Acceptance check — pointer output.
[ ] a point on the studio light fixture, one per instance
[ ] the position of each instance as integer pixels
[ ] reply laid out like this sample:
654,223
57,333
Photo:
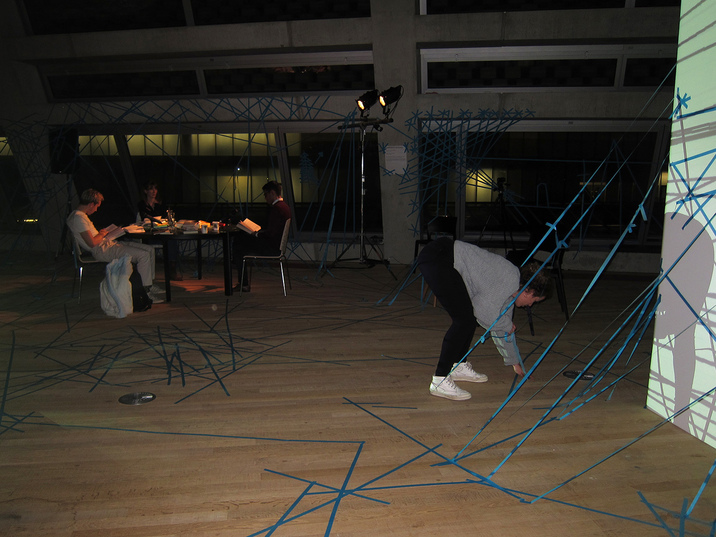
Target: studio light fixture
389,99
368,99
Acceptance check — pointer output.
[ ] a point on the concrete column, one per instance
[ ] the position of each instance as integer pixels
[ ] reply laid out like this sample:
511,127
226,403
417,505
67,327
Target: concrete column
395,62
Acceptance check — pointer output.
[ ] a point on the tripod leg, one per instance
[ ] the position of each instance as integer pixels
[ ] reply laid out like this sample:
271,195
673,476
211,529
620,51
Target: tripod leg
382,260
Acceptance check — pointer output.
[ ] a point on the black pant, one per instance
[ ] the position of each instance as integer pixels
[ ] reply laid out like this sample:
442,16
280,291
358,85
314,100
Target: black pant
248,244
436,265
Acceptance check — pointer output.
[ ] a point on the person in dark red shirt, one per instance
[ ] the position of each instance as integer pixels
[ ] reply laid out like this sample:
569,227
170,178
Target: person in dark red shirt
267,241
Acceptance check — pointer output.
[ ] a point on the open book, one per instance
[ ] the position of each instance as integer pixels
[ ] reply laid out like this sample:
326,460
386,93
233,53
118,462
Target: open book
113,232
248,226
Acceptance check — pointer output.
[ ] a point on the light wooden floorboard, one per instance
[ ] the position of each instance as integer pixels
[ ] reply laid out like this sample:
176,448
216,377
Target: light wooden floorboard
310,415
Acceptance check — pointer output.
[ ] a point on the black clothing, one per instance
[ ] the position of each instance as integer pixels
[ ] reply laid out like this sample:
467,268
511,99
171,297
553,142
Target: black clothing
268,240
147,211
436,262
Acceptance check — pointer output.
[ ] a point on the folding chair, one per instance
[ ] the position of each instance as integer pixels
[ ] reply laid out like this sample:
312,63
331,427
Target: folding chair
280,257
81,259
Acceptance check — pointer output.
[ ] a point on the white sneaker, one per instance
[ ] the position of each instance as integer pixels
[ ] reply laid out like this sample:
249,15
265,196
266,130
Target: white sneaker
445,387
465,372
156,290
154,298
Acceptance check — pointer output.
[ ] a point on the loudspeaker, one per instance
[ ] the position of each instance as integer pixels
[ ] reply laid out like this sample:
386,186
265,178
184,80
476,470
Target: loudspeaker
64,150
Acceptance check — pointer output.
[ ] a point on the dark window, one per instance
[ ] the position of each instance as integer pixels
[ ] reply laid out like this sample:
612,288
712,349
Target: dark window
650,72
289,79
123,85
522,73
76,16
327,179
657,3
248,11
444,7
549,168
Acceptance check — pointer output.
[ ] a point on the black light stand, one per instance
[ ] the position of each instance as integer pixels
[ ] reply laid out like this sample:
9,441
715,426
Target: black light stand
388,99
504,217
363,123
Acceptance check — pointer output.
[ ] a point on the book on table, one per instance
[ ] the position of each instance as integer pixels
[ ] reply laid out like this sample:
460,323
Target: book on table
248,226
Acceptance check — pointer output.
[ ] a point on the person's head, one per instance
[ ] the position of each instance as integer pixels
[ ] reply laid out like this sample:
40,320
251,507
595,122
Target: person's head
91,199
272,191
537,289
150,190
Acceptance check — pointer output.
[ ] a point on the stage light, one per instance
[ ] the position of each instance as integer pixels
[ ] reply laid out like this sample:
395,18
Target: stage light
390,96
368,99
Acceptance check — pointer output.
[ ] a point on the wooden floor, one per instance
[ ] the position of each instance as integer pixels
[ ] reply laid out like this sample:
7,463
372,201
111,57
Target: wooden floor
310,415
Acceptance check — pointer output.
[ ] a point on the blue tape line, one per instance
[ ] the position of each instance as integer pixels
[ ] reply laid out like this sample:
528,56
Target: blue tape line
494,444
67,318
559,399
17,421
170,362
342,492
701,489
681,102
292,507
657,516
683,516
514,392
181,365
7,377
598,393
390,425
365,486
597,511
109,366
642,322
631,442
215,381
228,331
699,318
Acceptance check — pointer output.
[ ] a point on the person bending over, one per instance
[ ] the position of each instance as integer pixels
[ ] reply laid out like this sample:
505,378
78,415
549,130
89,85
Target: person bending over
475,286
93,241
267,241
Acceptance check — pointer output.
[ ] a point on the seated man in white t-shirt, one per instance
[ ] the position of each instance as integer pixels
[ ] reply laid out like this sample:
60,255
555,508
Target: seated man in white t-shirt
94,241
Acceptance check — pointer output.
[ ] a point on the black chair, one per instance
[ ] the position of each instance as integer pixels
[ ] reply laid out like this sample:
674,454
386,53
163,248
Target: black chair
81,259
280,257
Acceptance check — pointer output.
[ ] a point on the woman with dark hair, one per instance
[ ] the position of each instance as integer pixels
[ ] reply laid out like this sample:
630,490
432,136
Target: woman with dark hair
151,207
476,287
